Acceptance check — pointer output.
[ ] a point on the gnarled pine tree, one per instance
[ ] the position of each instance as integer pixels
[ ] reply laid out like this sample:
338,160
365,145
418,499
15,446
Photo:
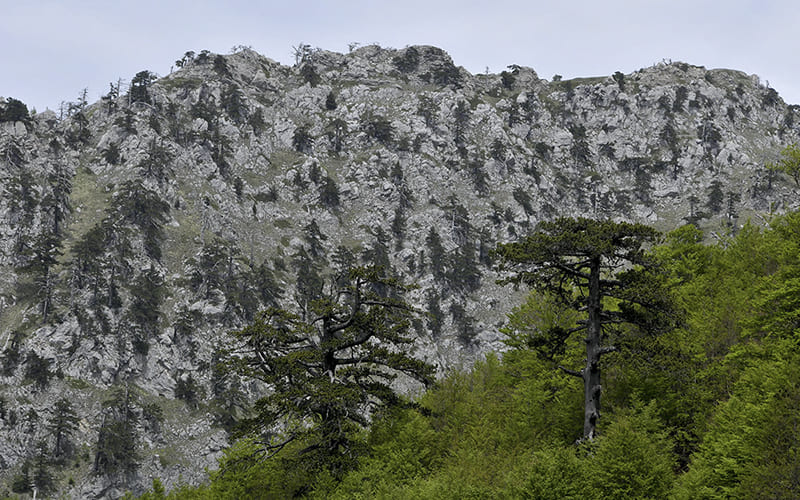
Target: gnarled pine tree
329,366
599,268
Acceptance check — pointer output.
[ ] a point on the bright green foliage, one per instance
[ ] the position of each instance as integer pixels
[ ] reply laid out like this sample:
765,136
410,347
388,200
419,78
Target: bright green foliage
778,300
633,459
753,448
709,409
789,163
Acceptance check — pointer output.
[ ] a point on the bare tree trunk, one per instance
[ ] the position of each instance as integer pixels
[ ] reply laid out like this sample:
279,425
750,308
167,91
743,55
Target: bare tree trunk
591,372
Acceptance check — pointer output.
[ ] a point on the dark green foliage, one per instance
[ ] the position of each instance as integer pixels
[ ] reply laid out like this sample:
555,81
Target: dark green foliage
343,258
478,177
498,150
377,255
620,79
770,97
111,154
524,199
716,197
110,99
40,280
379,128
126,121
461,118
580,150
79,133
62,425
221,66
187,389
205,108
232,100
203,57
86,264
428,110
302,140
328,367
329,193
116,453
569,255
156,163
256,120
14,110
507,80
399,226
435,315
642,181
139,90
220,149
238,188
11,355
227,400
436,255
710,136
215,269
408,61
14,154
681,94
665,104
145,209
314,238
443,71
463,324
309,74
37,370
308,280
39,472
147,293
463,275
330,101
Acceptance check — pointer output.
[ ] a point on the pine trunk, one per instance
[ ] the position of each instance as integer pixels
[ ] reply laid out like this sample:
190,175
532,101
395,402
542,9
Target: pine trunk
591,372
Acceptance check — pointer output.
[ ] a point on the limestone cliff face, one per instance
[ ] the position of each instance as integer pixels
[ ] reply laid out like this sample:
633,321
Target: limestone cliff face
137,231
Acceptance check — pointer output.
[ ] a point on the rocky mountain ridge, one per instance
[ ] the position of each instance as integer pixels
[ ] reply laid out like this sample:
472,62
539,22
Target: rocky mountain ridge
137,231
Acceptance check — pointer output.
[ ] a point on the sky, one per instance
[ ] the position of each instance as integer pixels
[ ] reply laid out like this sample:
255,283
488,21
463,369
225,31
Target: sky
50,50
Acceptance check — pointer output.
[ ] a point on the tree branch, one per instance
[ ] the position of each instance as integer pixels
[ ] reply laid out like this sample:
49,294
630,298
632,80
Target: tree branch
607,350
574,373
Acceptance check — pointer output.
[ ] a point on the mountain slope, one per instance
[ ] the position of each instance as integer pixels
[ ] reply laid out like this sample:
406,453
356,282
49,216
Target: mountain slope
138,230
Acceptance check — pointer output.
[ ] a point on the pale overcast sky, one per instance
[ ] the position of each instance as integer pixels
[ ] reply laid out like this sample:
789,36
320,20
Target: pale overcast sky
51,49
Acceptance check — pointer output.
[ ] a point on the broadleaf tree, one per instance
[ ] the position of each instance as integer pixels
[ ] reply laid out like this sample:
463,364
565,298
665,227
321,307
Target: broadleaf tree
789,163
601,269
329,366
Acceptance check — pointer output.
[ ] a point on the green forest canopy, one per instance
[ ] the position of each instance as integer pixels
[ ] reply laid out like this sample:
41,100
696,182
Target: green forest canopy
708,409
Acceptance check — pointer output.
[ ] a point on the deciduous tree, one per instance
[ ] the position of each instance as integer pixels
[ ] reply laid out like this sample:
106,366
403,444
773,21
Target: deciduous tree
789,163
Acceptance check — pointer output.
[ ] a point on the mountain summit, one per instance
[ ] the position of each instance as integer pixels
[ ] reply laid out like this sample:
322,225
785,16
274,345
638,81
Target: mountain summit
139,230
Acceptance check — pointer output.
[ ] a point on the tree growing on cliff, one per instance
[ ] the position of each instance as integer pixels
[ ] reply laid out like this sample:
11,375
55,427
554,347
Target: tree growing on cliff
329,367
600,269
61,425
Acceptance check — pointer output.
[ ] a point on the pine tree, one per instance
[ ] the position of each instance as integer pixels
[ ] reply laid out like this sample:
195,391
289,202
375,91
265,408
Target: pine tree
330,368
584,263
62,424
